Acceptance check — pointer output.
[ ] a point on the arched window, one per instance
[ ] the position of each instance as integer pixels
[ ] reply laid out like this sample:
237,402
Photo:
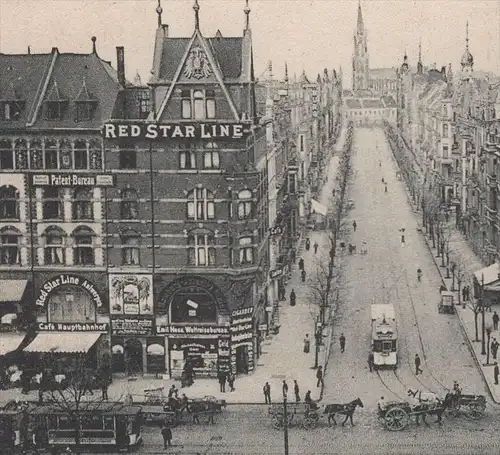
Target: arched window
65,155
211,159
200,205
54,246
246,250
83,208
83,250
131,248
187,158
50,155
6,155
199,105
445,130
201,249
95,155
9,246
81,155
245,204
52,203
9,203
130,204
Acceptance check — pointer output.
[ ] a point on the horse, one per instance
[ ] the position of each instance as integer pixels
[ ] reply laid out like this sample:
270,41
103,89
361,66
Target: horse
427,397
438,409
343,409
208,408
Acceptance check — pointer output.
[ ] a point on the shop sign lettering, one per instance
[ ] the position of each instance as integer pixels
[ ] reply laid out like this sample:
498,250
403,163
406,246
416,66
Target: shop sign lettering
242,312
174,131
191,330
73,180
50,285
72,327
130,326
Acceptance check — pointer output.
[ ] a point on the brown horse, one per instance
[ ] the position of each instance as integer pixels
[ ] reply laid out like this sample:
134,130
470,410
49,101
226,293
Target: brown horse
343,409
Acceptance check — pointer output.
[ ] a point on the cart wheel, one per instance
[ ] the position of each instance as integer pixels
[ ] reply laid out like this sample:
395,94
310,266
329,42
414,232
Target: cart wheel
454,408
476,410
170,420
278,421
396,419
310,422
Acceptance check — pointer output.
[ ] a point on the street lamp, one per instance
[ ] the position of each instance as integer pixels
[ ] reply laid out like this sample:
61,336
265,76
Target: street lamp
285,423
489,328
483,329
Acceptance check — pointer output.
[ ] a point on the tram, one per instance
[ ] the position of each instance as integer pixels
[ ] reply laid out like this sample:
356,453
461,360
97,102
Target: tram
384,335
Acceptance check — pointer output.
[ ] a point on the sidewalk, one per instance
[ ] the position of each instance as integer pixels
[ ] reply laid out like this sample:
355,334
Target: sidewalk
460,249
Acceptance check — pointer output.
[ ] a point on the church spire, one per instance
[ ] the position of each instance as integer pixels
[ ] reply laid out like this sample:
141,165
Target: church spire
361,27
420,67
196,9
159,10
247,14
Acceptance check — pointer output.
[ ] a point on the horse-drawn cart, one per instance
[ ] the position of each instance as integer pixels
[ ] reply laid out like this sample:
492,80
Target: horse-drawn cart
472,405
301,413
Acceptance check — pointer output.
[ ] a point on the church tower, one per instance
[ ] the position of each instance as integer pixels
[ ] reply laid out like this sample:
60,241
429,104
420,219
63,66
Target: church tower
360,58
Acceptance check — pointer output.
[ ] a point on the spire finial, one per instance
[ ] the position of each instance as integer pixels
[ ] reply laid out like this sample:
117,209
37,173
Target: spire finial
159,10
94,49
467,35
286,72
247,13
360,18
196,9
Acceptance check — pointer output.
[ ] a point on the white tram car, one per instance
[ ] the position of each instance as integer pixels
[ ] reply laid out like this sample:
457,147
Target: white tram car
384,335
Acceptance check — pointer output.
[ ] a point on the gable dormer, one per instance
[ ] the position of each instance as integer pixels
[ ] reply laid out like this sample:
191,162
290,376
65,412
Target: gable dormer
55,105
85,104
12,104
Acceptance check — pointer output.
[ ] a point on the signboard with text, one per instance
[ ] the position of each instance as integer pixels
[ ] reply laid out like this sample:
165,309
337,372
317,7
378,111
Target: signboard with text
131,326
72,327
67,279
175,131
192,330
73,180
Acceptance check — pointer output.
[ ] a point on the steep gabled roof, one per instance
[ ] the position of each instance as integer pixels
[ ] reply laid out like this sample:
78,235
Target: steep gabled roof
84,95
54,94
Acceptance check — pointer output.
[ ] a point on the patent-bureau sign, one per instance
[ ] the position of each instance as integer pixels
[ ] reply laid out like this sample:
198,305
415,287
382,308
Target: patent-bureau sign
179,131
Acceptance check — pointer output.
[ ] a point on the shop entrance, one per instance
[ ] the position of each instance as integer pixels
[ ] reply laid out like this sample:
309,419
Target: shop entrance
133,356
242,359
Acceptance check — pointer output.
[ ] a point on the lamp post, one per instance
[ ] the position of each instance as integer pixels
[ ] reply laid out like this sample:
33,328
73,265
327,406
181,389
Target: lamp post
483,328
285,423
489,328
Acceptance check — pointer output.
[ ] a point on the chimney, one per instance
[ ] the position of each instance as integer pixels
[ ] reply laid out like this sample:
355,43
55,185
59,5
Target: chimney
120,64
165,30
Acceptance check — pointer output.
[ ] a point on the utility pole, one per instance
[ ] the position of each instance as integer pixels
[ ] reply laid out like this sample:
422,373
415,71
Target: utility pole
285,423
483,344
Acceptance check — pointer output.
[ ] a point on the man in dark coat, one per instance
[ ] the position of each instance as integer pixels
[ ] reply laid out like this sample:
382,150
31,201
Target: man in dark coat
495,373
301,264
303,276
495,318
285,388
308,244
166,434
342,342
371,361
319,376
296,391
494,348
417,365
293,298
315,246
221,376
267,392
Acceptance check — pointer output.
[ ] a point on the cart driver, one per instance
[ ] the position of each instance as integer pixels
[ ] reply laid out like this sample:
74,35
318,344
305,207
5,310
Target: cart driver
381,404
184,402
456,388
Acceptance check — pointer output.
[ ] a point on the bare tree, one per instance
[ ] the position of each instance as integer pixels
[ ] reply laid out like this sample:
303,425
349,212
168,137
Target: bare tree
320,290
71,400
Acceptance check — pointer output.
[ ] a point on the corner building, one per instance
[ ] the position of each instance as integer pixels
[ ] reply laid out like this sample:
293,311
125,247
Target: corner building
187,249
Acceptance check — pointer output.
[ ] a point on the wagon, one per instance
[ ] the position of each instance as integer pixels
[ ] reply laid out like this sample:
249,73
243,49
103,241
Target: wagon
396,416
472,405
296,412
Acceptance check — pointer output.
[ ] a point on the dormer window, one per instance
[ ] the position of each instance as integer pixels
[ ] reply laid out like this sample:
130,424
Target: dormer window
55,104
198,104
85,104
12,105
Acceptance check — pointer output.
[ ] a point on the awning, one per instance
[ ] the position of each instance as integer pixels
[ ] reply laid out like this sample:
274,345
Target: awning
489,273
12,290
10,342
8,318
57,342
318,208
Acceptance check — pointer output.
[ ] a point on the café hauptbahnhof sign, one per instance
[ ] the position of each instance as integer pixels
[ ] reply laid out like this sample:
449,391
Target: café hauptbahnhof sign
174,131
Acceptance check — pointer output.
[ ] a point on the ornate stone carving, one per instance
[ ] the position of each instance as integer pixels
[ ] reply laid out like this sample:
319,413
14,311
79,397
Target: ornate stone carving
240,288
197,64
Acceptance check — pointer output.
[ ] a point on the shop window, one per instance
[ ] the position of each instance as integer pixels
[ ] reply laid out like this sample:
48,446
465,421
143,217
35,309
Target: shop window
54,246
117,358
9,246
187,159
128,159
9,203
83,207
52,203
156,358
211,158
245,204
201,249
195,306
200,205
83,251
70,303
130,204
50,155
81,155
6,155
246,250
131,249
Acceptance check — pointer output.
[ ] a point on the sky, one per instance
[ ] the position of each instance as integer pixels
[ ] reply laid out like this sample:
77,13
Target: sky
309,35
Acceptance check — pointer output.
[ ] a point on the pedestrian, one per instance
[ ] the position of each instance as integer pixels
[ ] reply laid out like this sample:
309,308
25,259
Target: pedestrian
495,373
319,376
383,181
296,390
495,318
307,344
386,187
293,298
230,380
315,246
104,388
464,293
467,295
222,380
267,392
417,365
371,361
342,342
303,276
284,388
294,255
301,264
166,434
354,225
494,348
402,239
308,244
